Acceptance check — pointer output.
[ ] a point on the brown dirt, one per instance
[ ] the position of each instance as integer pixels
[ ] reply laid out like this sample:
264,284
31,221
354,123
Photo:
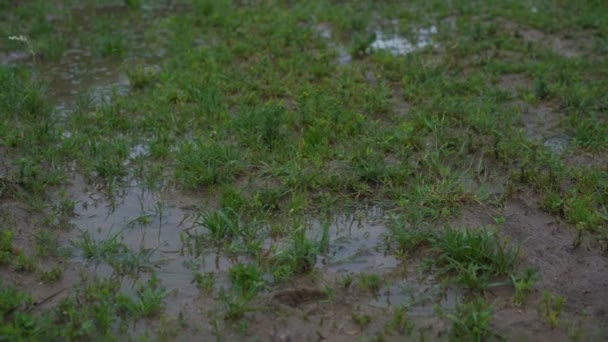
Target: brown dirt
542,121
570,44
514,83
578,274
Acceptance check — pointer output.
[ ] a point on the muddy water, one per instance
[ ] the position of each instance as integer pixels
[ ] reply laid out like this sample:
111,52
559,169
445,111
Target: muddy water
79,73
356,243
155,223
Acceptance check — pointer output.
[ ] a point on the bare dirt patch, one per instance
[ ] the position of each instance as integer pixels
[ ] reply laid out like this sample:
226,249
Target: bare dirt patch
570,44
514,83
542,121
578,274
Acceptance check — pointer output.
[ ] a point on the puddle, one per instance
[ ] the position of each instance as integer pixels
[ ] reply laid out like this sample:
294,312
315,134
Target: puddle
325,32
344,57
356,243
77,72
397,45
392,43
139,151
80,71
420,296
14,57
144,222
557,144
542,125
147,223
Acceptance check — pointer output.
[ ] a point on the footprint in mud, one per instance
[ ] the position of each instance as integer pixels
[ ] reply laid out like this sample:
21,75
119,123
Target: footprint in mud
300,296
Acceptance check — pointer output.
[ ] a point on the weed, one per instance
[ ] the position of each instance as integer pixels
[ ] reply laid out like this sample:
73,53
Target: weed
27,42
246,279
11,299
471,321
222,224
235,305
361,44
346,281
6,246
99,251
324,243
362,320
370,283
400,323
300,258
52,275
523,285
263,126
409,241
141,76
205,281
23,263
551,307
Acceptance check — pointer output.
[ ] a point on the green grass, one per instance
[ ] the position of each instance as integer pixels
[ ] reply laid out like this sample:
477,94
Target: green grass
471,321
473,256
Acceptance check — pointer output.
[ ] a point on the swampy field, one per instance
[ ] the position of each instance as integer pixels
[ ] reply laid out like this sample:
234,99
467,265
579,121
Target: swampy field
213,170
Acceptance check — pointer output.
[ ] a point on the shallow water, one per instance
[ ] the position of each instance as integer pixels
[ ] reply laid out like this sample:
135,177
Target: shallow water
557,144
356,243
397,45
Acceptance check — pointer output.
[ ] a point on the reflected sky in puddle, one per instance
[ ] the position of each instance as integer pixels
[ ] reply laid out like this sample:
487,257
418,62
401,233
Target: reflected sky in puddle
557,144
393,43
397,45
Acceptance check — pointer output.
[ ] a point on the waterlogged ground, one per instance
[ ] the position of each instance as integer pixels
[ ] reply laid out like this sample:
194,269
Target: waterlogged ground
199,170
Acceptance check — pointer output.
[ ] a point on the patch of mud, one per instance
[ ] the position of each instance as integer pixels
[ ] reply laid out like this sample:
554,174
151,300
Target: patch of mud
299,296
574,44
579,274
586,159
514,83
421,295
541,121
332,317
542,125
31,236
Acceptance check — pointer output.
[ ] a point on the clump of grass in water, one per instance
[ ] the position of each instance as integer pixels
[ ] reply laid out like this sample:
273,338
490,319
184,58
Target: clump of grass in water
473,256
370,283
299,258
